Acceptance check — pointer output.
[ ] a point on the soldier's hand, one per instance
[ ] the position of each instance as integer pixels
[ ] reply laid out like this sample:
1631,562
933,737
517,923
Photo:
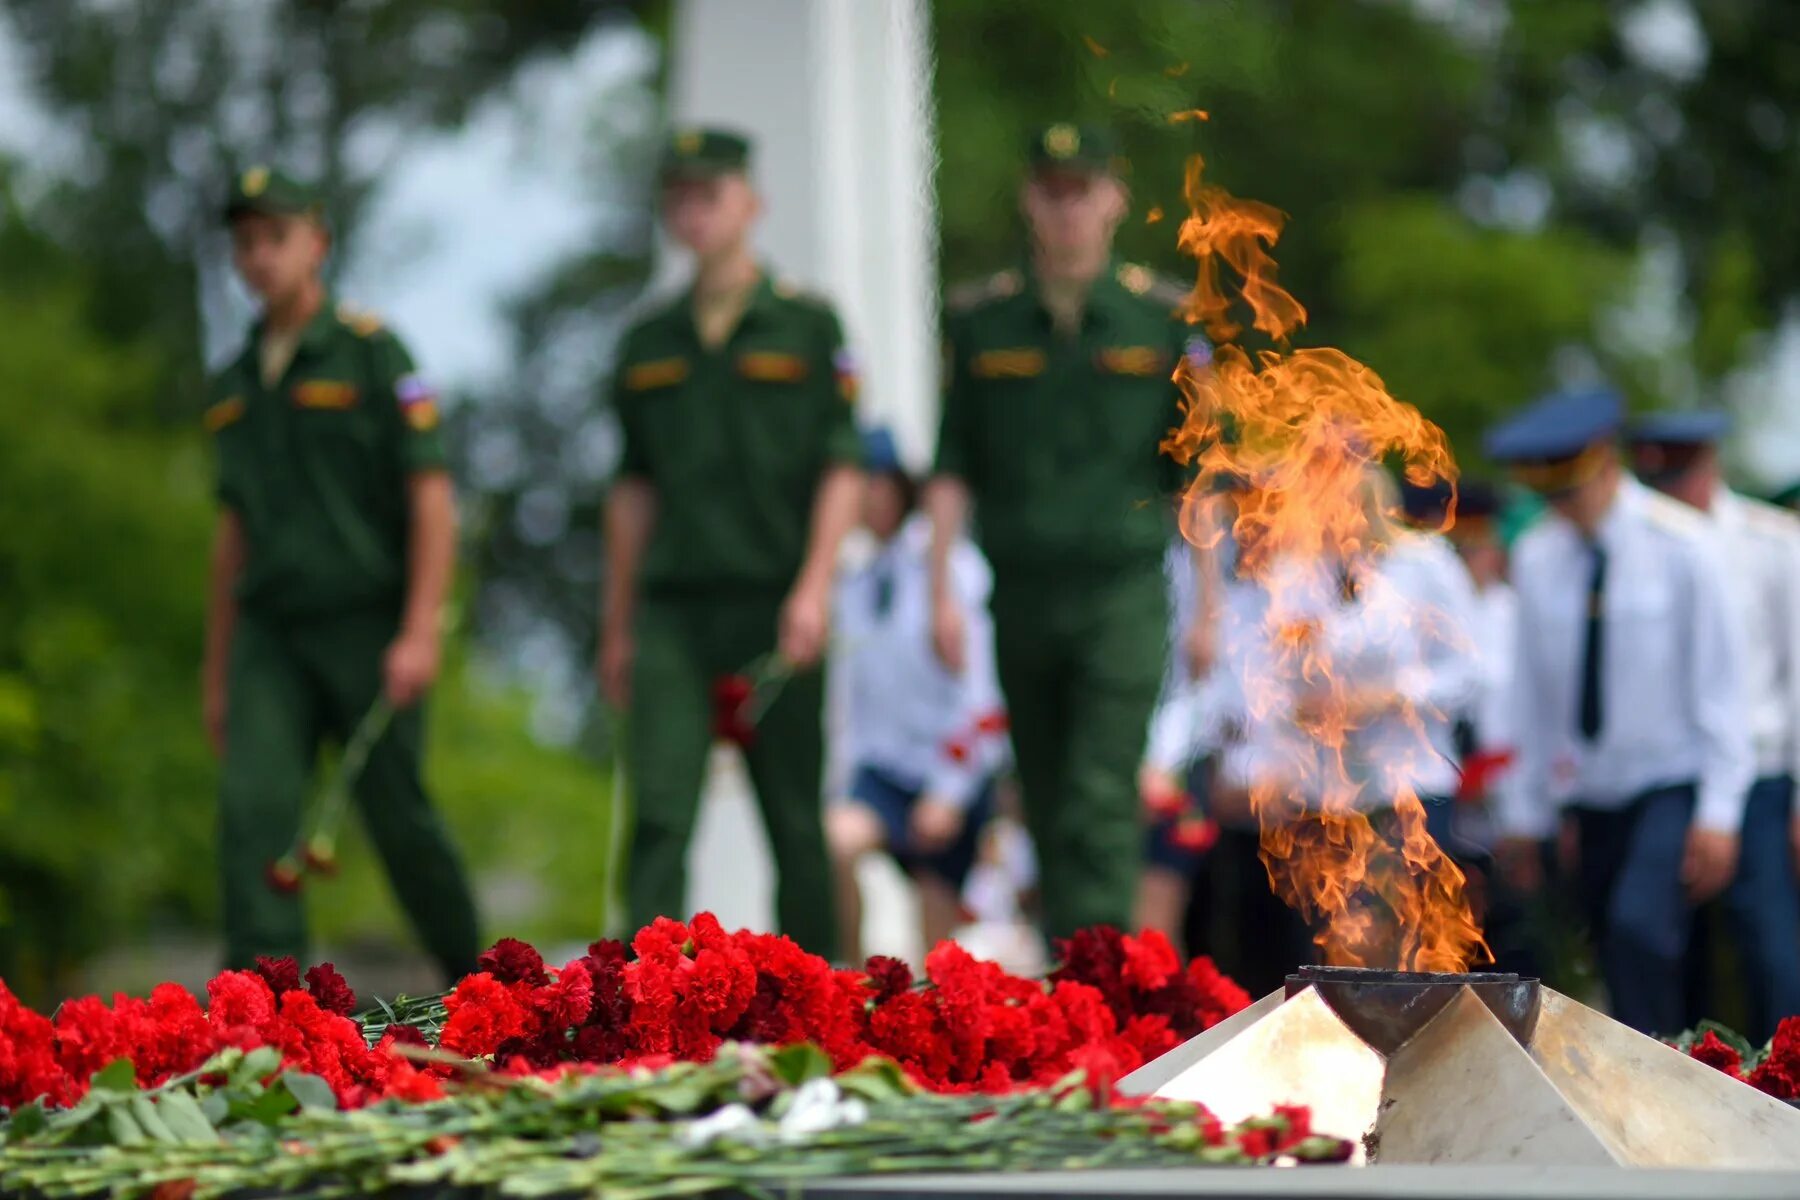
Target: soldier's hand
618,654
934,825
805,625
1708,863
410,668
1521,862
212,713
949,636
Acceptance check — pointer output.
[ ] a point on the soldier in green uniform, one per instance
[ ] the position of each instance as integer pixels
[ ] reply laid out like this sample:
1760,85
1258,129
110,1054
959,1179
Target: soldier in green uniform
739,479
331,563
1058,392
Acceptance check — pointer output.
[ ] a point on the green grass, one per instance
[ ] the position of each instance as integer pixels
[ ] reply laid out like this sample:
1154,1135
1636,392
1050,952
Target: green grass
534,823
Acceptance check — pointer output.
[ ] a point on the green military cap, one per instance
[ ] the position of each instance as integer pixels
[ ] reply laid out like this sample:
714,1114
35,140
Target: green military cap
705,152
1065,146
261,189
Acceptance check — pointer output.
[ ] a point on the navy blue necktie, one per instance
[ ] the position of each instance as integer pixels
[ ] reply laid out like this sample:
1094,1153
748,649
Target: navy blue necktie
1593,649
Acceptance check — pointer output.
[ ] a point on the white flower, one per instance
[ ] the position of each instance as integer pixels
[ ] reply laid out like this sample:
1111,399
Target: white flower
734,1122
819,1106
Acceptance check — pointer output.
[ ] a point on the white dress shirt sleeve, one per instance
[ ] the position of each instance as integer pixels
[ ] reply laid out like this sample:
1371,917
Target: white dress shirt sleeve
1523,807
1727,754
1788,637
1449,677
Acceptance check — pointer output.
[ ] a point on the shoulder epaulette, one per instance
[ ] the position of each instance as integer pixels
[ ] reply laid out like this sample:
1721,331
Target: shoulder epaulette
359,321
1140,280
976,292
1674,516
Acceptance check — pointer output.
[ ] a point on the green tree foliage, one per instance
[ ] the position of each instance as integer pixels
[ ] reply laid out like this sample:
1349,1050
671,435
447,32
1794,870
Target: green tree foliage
104,784
169,97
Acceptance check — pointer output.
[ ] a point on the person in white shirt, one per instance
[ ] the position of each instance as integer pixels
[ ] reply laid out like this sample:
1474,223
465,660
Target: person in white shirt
1388,622
923,745
1172,780
1628,702
1677,454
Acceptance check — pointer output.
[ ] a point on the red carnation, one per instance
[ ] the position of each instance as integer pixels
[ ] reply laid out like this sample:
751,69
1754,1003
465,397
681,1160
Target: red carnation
281,974
482,1015
564,1004
1716,1054
889,976
283,876
1149,960
1195,834
330,990
731,720
511,961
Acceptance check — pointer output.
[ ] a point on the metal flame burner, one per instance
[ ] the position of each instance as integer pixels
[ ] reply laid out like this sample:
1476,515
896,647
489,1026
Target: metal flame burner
1386,1008
1484,1068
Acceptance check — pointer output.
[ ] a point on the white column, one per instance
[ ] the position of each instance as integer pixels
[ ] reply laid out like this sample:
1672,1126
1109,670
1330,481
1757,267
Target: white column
837,96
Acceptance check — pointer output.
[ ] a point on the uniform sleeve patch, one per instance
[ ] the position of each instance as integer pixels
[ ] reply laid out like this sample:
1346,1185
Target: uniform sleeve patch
331,394
1132,360
225,413
848,372
418,402
360,321
768,366
1020,363
657,373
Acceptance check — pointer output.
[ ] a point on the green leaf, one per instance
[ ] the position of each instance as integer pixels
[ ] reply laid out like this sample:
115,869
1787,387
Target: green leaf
116,1076
796,1064
185,1118
143,1111
877,1079
26,1122
121,1128
264,1107
312,1092
259,1064
225,1062
215,1106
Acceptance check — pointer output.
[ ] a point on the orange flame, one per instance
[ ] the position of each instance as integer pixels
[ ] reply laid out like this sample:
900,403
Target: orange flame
1306,428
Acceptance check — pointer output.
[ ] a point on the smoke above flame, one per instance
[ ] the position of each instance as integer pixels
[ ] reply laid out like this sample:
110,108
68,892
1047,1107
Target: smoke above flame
1302,432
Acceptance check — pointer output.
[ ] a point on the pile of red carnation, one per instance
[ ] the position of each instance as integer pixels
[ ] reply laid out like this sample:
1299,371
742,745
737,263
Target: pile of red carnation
678,994
170,1034
1777,1072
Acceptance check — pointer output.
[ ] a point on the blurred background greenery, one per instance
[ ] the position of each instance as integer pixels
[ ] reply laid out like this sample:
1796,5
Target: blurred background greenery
1486,196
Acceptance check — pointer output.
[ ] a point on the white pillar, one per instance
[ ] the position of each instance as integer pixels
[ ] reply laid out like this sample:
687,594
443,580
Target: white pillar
837,96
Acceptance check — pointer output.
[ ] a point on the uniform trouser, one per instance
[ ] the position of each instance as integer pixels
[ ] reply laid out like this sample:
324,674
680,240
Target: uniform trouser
684,643
1629,882
1763,903
292,684
1081,662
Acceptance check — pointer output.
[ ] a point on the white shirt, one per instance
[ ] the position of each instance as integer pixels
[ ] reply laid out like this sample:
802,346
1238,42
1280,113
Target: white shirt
903,712
1672,705
1185,723
1496,648
1761,547
1406,630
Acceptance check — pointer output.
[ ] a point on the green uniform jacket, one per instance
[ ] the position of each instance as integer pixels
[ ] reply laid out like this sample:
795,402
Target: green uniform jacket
734,439
316,466
1058,436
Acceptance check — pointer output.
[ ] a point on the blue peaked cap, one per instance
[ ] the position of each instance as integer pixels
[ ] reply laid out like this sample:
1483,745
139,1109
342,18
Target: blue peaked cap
1686,427
1559,425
